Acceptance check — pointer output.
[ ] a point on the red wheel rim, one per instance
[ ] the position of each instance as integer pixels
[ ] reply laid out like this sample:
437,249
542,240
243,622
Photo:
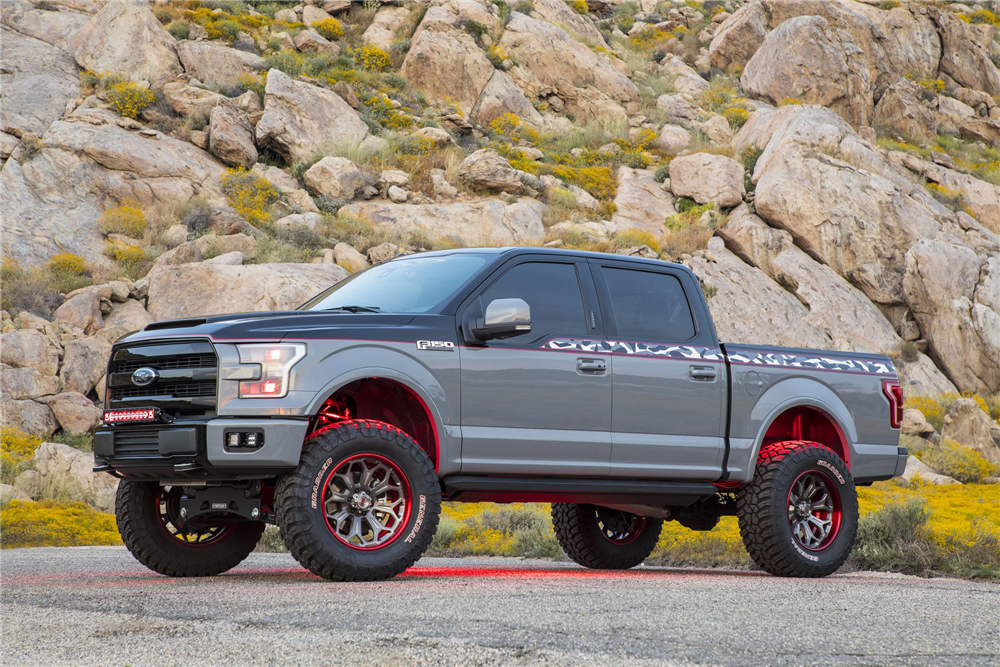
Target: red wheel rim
814,510
167,505
366,502
619,527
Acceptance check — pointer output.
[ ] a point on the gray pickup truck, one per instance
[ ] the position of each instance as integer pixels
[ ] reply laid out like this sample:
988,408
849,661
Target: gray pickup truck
592,382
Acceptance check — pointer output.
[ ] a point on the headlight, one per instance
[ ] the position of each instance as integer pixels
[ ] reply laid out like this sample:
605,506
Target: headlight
263,371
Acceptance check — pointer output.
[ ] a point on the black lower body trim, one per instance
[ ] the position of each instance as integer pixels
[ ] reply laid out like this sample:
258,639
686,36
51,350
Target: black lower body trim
487,488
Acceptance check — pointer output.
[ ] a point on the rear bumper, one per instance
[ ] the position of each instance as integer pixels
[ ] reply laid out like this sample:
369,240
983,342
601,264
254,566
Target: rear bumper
872,468
193,450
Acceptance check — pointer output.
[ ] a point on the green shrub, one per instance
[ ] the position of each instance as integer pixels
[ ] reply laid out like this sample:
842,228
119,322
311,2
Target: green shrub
287,61
896,538
27,290
631,238
179,29
662,173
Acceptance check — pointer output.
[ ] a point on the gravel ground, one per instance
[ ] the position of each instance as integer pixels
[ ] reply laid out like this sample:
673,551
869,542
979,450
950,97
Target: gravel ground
96,606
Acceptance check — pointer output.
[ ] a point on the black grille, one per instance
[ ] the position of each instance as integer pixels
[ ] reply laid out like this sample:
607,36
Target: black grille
137,443
179,389
186,382
168,363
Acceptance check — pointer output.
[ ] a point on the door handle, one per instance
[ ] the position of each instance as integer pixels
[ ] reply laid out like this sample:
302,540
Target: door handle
595,366
702,373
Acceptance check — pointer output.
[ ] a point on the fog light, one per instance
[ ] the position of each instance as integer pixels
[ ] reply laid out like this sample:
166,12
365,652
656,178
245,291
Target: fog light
243,441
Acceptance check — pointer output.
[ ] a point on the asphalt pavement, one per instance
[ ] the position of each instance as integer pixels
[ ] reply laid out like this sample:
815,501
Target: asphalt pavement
97,606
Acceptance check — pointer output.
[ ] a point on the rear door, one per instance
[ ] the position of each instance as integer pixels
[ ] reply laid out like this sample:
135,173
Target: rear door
669,380
529,407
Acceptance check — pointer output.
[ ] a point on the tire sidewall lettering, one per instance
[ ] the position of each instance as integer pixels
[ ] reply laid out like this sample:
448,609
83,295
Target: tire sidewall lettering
314,499
421,509
832,468
803,553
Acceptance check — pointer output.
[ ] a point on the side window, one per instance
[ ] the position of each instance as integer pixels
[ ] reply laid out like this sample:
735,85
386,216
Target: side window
553,293
649,306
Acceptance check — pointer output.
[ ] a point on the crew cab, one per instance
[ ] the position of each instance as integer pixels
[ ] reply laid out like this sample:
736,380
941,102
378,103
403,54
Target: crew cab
593,382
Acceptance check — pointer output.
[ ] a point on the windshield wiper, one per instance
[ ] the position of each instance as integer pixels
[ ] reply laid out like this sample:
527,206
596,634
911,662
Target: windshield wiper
356,309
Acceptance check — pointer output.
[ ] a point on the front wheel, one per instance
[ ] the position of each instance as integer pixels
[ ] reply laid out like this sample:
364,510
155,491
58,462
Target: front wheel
604,538
148,518
799,516
362,505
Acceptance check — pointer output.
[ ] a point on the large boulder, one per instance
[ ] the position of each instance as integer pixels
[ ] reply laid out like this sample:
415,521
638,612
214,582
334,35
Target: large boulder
83,310
915,423
125,318
29,348
739,36
36,82
559,13
501,95
982,198
300,118
965,53
483,222
707,178
902,110
844,204
216,64
915,467
445,61
488,170
231,137
382,30
335,177
808,59
549,59
84,363
640,202
22,383
967,424
192,290
29,416
954,294
53,202
192,101
71,471
75,413
126,38
45,23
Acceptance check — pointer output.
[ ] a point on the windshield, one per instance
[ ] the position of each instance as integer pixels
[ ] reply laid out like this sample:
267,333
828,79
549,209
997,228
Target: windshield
412,285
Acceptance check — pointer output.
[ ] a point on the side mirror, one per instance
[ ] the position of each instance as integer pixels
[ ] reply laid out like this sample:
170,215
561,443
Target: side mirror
504,318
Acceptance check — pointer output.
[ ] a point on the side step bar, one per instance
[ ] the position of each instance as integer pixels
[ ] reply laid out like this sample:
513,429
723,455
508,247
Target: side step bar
488,488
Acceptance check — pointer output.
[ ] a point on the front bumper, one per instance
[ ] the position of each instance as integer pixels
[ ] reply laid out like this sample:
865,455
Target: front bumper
192,450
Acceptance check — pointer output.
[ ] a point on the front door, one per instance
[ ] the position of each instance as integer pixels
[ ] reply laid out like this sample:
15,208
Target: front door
528,408
669,375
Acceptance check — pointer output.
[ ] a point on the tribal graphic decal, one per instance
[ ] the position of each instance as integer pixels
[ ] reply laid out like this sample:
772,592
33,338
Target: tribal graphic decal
736,355
866,366
633,348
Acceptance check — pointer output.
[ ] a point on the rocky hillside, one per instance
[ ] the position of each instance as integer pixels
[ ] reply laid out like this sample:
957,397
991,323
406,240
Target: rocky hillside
830,170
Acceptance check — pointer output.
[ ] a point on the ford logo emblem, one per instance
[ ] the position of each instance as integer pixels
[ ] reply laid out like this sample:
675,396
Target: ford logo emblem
145,376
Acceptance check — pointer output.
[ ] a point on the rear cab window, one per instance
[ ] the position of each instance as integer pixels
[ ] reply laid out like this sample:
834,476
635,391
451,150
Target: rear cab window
648,305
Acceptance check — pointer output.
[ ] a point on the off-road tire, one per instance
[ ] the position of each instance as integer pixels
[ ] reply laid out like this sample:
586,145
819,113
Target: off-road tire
142,531
580,536
300,511
762,508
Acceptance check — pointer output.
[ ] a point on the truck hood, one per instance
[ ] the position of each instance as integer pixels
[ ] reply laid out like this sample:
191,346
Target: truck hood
296,324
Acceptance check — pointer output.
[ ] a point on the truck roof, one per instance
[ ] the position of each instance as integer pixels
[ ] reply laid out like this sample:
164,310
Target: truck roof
558,252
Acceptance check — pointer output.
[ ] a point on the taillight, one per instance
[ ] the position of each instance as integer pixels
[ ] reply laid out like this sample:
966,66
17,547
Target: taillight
894,393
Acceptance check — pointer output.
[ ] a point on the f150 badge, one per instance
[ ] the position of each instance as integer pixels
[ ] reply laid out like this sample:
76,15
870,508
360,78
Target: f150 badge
439,345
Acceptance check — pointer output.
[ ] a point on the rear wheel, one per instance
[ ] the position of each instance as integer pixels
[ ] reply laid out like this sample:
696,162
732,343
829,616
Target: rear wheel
148,521
604,538
799,516
362,505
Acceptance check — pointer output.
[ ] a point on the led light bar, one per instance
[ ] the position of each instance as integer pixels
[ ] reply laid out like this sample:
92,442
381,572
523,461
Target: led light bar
131,416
